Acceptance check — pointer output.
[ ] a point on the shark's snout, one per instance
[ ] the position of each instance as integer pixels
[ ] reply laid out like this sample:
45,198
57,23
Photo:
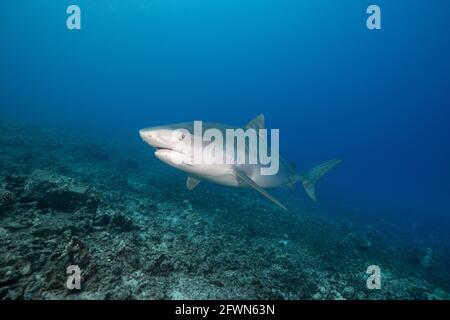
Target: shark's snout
148,133
153,138
143,134
162,138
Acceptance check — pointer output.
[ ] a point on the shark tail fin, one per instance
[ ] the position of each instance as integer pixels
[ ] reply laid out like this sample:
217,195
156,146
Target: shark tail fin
310,177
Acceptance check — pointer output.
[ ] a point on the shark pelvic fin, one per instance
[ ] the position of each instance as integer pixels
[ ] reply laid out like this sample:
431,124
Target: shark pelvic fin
191,183
244,177
310,177
258,122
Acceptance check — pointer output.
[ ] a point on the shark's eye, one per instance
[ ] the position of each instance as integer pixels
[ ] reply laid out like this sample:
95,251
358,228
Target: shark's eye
182,137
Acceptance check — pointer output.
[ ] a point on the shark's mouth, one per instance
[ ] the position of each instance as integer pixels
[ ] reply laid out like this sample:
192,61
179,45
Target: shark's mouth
168,151
171,157
165,148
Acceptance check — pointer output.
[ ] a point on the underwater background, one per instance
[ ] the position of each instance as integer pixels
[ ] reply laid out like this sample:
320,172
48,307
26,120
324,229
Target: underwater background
77,184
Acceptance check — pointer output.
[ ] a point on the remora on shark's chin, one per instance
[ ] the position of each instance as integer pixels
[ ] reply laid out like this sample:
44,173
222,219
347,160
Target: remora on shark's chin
173,146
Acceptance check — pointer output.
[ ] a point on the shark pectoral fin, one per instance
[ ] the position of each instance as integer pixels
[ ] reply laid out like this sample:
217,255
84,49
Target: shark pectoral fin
191,183
244,177
257,123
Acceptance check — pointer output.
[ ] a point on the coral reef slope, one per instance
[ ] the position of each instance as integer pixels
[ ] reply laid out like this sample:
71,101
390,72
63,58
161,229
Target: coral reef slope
127,221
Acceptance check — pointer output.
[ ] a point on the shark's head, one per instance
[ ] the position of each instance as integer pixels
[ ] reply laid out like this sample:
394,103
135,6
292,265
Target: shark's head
173,144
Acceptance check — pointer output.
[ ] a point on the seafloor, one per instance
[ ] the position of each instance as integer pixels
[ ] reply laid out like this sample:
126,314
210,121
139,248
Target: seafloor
135,231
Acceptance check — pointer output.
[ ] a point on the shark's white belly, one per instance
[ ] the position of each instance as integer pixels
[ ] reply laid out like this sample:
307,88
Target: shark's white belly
220,174
228,180
226,175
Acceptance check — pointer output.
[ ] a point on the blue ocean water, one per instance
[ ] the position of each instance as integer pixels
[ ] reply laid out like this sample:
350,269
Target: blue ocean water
377,99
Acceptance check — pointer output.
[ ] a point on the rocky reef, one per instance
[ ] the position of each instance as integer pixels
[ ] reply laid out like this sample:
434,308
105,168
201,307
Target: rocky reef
134,231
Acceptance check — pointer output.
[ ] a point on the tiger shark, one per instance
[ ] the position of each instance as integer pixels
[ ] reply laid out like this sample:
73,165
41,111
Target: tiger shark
173,145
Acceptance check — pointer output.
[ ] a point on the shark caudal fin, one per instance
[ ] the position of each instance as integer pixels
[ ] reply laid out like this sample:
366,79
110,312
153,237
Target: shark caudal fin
310,177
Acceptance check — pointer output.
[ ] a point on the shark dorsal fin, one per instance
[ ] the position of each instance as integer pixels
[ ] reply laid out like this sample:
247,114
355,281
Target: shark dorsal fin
257,123
191,183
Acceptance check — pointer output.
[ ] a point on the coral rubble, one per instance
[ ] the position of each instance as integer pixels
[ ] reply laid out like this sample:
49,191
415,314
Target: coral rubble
136,233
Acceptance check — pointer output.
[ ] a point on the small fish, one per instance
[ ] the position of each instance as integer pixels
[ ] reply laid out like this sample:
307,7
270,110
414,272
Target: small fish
173,144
